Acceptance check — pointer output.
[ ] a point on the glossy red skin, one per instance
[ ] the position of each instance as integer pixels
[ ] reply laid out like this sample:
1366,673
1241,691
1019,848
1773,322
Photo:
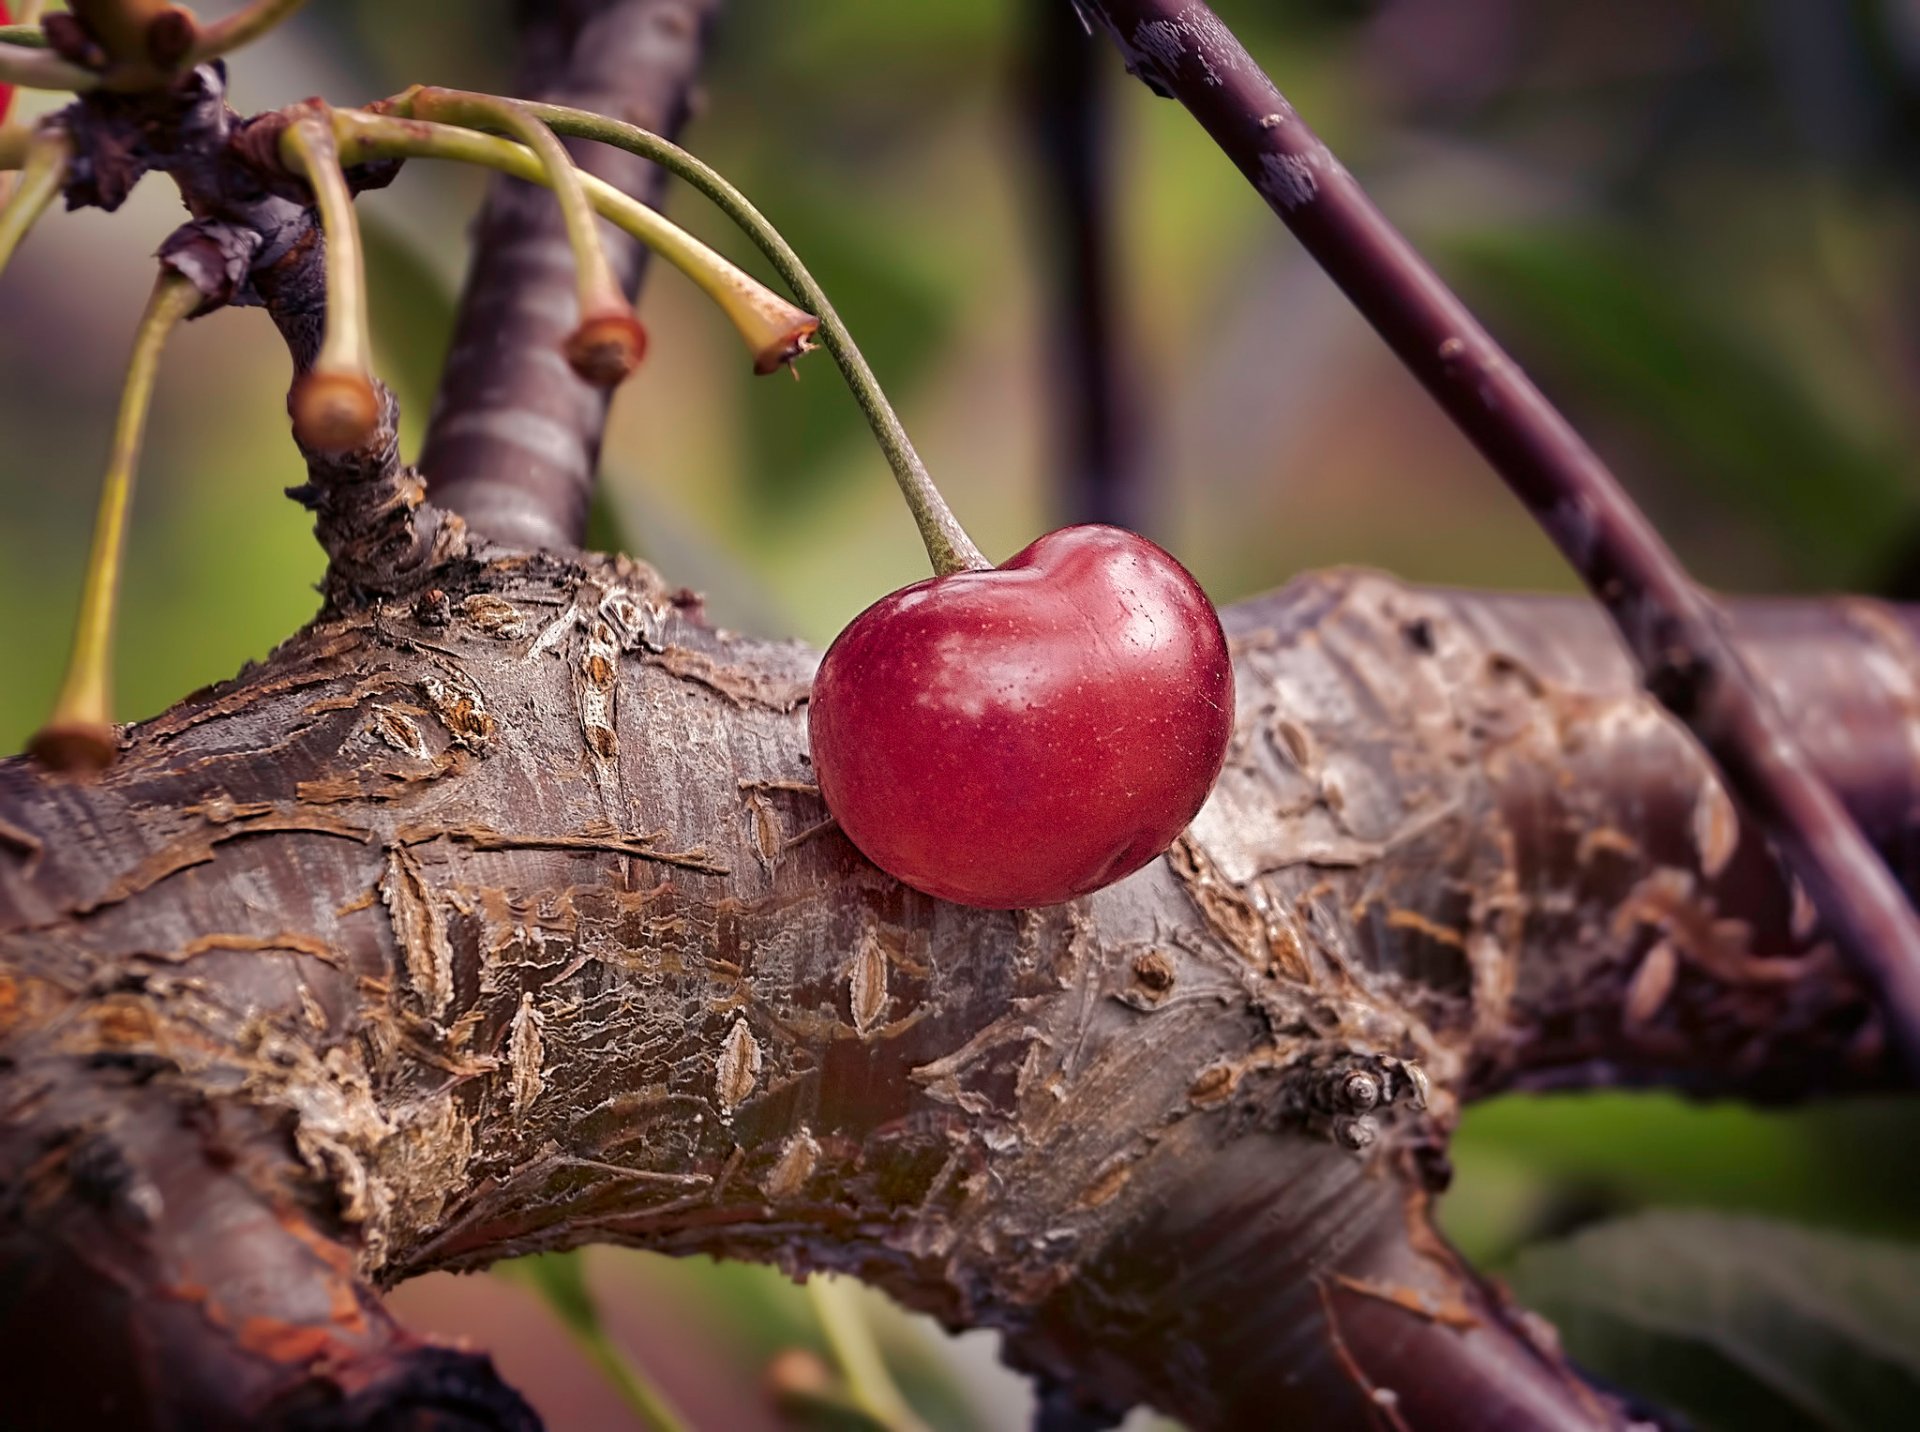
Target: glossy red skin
1025,735
6,91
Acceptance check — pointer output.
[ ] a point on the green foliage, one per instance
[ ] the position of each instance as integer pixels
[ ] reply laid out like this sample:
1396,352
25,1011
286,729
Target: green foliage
1740,1323
1647,344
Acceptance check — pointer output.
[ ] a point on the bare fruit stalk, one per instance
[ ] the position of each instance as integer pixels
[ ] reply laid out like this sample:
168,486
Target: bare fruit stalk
334,405
774,330
79,733
43,172
608,344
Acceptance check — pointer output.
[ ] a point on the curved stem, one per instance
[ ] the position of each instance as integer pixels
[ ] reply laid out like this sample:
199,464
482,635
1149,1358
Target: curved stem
307,146
946,541
774,329
79,731
509,117
335,408
44,171
609,341
223,36
39,69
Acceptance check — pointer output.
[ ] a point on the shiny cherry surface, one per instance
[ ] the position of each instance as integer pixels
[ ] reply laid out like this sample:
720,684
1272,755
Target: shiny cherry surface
1024,735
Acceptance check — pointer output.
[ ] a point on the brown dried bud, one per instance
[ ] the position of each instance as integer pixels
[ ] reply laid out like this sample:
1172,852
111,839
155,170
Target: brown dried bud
786,347
1359,1091
606,348
170,36
333,412
798,1381
79,746
1355,1134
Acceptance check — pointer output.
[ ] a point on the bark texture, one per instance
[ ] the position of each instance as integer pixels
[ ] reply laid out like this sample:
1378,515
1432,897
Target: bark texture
505,916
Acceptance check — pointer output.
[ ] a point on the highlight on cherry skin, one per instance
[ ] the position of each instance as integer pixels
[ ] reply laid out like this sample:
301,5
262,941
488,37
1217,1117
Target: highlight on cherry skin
1026,734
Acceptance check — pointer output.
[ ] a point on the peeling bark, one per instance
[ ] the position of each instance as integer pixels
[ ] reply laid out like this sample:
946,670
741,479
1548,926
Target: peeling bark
385,940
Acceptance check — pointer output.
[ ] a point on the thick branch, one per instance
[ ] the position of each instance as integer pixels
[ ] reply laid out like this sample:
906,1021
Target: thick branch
513,922
514,441
1676,636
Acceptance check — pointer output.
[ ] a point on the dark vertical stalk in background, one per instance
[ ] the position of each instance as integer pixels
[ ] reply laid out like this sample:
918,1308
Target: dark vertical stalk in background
514,442
1093,412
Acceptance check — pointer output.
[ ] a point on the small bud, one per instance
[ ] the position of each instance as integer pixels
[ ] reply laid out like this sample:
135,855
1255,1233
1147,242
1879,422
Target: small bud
1355,1134
1359,1091
170,36
786,345
606,348
332,411
77,746
798,1381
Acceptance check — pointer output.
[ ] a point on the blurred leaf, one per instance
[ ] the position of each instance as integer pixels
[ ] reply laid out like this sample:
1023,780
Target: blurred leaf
900,310
1533,1165
561,1279
1623,330
1740,1323
413,309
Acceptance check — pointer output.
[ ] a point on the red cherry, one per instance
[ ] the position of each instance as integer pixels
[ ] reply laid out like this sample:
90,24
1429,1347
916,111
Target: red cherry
1023,735
6,91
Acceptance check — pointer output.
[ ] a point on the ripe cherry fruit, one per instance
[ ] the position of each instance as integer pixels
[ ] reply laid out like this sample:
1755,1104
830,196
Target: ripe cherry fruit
1025,734
6,90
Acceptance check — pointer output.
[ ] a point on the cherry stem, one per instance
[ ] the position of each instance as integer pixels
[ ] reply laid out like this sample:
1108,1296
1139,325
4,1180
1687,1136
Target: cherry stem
30,66
224,36
307,148
774,329
84,707
43,171
600,292
948,545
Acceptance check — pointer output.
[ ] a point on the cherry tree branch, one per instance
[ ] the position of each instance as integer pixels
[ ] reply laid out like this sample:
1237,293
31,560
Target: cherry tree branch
1677,636
513,444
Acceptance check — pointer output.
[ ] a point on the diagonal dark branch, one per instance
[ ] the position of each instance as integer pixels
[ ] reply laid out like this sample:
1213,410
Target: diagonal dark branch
1677,636
514,441
1095,429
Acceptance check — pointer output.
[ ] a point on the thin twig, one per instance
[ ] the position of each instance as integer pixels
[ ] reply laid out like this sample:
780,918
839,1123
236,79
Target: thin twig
1674,631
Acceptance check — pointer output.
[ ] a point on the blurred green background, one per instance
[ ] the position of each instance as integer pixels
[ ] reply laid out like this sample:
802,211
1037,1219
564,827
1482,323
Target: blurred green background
1698,223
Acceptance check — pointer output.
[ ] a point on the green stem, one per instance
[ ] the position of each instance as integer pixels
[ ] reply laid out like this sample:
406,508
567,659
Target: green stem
870,1387
947,542
224,36
346,346
44,171
39,69
774,329
28,36
85,703
504,116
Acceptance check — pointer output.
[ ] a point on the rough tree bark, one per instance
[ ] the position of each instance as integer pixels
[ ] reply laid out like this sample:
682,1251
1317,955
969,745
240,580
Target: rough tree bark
497,911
